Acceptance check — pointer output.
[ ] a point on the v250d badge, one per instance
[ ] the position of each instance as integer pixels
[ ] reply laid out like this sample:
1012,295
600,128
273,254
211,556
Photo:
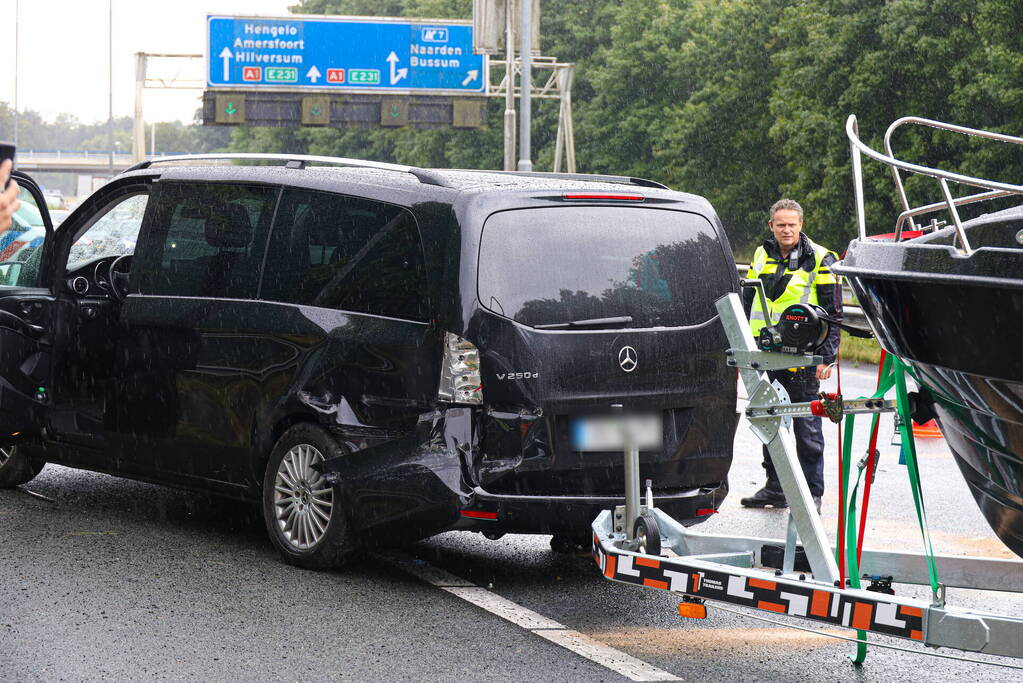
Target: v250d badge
517,375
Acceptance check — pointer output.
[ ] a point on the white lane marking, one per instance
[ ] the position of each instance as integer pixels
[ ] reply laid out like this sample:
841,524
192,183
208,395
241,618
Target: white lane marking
424,570
610,658
573,641
504,608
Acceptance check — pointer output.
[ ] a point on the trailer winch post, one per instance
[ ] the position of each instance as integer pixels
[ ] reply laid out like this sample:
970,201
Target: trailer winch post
780,443
632,495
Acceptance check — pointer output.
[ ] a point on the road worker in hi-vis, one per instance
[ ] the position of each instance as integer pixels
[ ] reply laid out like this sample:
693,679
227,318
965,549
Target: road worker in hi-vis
794,269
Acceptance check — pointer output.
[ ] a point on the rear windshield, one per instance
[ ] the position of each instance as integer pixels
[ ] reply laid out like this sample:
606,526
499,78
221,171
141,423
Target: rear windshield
635,267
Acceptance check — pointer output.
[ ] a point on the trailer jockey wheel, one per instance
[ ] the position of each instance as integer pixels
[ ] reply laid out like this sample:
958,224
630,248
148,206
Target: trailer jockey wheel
647,534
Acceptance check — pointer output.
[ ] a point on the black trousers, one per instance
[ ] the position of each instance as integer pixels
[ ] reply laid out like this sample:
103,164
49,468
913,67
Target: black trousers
802,385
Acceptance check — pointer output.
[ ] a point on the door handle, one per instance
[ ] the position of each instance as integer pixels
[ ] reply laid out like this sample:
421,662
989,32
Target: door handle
35,330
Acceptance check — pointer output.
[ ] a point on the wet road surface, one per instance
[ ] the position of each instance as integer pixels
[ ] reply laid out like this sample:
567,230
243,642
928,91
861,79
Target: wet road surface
121,580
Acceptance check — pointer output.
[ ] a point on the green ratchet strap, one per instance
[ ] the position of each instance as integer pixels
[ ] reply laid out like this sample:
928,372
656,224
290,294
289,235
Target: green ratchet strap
893,373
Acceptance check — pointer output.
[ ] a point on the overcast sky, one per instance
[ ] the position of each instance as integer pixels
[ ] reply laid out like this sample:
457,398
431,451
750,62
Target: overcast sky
63,52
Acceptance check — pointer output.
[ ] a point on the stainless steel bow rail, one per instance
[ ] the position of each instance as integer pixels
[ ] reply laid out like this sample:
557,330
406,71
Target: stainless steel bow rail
797,576
994,189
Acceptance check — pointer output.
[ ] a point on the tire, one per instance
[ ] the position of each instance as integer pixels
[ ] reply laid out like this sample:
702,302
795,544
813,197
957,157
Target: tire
647,535
17,466
303,514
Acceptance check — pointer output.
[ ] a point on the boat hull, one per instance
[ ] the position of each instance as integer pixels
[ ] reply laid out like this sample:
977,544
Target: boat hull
959,325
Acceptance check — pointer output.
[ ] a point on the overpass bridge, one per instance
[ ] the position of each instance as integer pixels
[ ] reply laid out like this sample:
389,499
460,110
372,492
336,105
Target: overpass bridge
74,161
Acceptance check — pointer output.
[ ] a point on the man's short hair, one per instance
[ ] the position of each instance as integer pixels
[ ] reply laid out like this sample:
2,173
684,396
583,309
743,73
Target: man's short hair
790,204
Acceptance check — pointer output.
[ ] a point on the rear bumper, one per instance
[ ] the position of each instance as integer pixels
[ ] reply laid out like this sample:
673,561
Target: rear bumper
501,513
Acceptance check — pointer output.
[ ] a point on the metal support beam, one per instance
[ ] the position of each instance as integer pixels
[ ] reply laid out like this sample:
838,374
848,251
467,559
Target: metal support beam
143,81
558,85
525,104
781,446
509,96
138,138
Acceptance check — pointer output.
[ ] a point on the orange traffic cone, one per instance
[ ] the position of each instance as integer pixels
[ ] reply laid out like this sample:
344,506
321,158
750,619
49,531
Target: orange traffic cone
928,430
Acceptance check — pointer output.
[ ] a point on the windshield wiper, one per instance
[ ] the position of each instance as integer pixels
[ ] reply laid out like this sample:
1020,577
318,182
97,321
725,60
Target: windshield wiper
589,322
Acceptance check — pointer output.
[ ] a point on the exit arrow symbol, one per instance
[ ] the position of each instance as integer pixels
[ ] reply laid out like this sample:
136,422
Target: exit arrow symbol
226,55
396,74
313,73
395,111
230,109
472,76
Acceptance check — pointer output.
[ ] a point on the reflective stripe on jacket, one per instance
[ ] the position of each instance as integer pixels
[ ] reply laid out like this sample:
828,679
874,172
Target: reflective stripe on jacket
801,287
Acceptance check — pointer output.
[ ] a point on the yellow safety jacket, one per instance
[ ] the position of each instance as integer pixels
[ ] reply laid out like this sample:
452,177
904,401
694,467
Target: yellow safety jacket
801,287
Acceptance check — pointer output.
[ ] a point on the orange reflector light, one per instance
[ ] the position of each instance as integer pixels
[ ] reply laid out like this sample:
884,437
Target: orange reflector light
692,610
604,195
15,433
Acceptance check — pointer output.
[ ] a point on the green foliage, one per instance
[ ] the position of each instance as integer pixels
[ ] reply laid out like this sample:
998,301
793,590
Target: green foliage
742,101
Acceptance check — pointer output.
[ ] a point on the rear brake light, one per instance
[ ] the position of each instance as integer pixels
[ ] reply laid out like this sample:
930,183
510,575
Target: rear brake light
460,371
479,514
605,195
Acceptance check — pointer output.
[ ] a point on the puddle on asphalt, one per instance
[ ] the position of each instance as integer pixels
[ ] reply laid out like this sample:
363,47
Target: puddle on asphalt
719,641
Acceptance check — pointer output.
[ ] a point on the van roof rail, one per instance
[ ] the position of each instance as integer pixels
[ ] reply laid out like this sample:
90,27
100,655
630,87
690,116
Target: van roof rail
589,177
425,176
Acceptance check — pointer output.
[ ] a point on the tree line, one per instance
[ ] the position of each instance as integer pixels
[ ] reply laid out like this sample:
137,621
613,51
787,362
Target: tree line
742,101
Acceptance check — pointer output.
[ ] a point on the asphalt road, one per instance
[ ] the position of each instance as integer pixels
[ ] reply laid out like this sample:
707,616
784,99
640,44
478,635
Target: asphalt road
121,580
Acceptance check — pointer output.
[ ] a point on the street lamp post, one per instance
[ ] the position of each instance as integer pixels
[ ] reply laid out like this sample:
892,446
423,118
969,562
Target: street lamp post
110,81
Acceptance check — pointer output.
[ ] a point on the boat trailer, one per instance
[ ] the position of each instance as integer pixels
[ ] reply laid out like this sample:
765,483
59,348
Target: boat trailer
797,576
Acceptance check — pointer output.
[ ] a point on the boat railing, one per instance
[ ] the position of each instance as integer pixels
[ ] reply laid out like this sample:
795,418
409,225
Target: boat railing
993,189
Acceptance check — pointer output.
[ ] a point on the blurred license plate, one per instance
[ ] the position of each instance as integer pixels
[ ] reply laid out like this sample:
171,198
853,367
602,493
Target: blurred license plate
608,433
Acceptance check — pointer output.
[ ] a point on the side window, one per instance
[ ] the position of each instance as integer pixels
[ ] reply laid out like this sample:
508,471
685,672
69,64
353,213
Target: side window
341,252
204,239
113,234
21,244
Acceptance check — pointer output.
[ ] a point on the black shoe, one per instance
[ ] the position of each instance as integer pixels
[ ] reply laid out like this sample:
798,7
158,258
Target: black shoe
765,497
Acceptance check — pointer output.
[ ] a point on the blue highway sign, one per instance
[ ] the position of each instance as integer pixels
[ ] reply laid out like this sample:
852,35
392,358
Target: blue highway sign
343,54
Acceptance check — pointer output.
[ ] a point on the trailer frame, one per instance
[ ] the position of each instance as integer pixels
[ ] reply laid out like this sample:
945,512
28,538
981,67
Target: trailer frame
805,583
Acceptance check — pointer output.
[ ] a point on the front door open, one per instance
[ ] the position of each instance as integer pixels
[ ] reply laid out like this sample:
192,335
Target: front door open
27,310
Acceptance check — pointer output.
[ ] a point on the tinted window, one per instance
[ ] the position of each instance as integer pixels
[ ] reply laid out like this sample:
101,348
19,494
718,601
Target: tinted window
341,252
549,266
205,239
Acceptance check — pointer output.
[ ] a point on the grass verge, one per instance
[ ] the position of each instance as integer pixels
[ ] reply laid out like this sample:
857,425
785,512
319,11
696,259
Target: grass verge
856,351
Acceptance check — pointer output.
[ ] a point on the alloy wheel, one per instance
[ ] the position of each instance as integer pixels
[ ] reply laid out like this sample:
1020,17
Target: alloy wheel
302,498
5,455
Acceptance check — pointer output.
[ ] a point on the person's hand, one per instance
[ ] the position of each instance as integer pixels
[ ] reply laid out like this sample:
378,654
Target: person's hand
9,198
823,371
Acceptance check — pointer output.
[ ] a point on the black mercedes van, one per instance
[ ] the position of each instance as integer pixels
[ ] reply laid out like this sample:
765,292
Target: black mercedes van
373,352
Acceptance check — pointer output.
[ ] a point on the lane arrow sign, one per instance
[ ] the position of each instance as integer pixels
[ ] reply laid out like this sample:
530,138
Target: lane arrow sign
472,76
313,74
396,74
226,55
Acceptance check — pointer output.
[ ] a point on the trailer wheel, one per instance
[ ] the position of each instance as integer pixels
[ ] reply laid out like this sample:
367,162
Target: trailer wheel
647,534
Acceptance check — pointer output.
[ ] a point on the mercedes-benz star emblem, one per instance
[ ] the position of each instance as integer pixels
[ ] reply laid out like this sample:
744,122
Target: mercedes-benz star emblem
627,358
